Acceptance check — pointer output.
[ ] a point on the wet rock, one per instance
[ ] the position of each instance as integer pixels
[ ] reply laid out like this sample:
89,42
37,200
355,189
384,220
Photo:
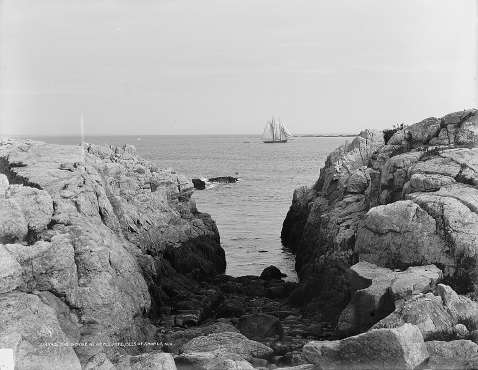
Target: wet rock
272,273
231,307
282,314
402,348
224,179
186,320
260,326
199,184
218,327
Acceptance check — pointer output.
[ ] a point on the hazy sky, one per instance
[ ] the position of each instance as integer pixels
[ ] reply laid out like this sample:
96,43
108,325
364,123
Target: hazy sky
226,66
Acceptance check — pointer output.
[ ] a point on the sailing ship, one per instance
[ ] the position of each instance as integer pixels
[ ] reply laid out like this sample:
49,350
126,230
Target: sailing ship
276,132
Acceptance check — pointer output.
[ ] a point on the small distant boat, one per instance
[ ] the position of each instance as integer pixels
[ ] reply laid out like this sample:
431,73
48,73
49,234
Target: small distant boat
276,132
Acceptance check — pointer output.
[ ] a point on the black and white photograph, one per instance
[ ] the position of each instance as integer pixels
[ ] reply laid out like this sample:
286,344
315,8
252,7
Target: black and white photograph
238,185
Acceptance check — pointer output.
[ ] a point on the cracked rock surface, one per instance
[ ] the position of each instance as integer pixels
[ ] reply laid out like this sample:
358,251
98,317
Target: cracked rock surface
398,198
86,234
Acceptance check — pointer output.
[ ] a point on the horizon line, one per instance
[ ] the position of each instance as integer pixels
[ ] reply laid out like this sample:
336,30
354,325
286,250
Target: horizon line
6,136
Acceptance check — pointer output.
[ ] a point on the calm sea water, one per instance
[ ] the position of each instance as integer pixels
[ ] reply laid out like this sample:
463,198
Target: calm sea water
249,213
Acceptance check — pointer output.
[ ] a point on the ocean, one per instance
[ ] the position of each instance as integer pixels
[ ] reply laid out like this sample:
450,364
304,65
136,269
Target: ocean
250,212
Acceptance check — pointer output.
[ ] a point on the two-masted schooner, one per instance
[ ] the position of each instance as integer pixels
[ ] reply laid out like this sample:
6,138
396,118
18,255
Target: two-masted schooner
276,132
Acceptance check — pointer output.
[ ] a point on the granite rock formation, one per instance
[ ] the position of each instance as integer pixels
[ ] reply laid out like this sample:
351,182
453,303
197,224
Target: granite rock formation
94,241
399,198
400,348
377,292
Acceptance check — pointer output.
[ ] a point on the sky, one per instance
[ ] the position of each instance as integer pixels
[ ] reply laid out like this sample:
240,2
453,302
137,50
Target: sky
174,67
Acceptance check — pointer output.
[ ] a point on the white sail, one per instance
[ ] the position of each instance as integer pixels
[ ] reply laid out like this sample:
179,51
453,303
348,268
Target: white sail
276,132
285,133
268,134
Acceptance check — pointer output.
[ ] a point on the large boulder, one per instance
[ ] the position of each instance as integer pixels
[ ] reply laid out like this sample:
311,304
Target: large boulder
377,292
399,348
418,244
426,312
228,342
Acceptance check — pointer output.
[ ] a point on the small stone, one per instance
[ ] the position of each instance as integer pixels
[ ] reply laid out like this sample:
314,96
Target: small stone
461,330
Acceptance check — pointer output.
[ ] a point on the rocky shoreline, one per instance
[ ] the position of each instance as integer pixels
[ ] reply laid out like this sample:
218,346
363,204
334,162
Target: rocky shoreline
106,263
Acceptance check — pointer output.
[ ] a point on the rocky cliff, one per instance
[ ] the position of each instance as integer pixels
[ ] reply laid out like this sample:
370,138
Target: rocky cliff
398,198
94,241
